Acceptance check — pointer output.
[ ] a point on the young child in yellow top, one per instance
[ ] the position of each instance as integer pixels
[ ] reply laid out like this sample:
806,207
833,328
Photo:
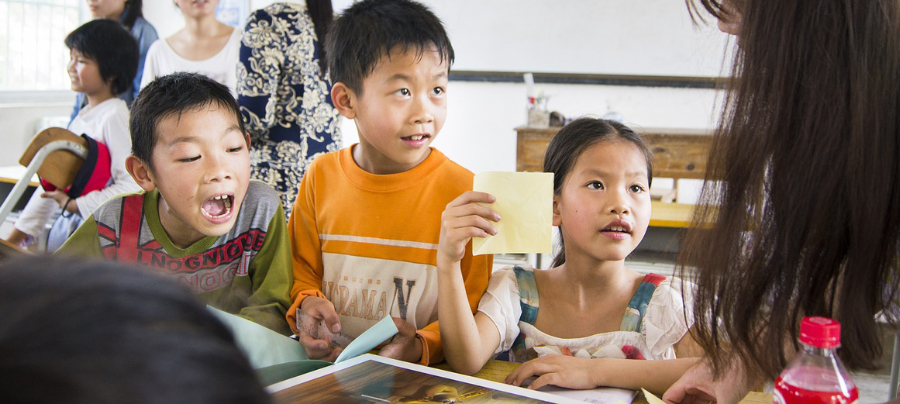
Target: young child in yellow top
366,222
582,323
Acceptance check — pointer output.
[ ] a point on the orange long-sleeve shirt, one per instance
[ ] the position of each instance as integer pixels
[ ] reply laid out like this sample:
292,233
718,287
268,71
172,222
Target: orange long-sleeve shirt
368,243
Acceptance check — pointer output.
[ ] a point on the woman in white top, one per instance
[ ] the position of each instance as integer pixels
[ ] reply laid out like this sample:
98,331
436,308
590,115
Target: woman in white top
204,46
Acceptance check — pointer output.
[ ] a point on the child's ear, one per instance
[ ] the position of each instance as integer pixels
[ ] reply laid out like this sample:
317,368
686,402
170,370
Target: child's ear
247,139
141,173
556,216
344,100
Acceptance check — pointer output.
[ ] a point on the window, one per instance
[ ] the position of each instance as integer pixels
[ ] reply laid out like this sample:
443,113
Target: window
32,53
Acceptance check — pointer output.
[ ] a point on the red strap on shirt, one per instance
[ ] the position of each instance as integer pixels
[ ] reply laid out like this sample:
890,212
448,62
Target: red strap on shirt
130,230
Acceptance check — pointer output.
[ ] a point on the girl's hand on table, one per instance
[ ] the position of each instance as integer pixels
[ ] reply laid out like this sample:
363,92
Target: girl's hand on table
558,370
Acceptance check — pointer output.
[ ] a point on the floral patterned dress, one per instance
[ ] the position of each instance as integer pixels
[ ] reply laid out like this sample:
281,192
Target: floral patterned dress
653,323
284,98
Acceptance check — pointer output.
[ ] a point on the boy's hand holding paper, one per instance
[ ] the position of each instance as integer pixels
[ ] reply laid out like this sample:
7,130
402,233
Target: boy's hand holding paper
525,202
367,341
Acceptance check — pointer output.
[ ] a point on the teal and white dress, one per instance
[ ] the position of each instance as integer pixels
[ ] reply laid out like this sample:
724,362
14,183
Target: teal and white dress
285,99
657,317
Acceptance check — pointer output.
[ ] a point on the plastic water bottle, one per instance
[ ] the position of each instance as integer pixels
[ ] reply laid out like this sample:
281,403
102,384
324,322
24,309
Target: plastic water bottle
816,375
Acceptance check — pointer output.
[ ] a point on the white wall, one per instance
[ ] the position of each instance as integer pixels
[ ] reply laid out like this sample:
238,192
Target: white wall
479,133
628,37
479,130
20,121
481,117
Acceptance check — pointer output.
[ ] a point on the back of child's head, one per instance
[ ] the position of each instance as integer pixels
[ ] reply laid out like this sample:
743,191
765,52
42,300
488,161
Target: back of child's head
572,140
171,95
99,332
371,29
108,44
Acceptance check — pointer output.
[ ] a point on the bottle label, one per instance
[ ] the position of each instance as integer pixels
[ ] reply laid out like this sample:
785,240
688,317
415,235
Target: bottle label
789,394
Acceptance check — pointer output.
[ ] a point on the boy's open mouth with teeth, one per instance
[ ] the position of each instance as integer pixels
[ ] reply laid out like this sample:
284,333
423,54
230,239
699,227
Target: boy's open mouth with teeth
218,206
416,138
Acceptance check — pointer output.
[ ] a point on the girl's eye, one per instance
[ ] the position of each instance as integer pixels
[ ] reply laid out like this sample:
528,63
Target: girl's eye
235,149
637,188
404,92
439,90
595,185
189,159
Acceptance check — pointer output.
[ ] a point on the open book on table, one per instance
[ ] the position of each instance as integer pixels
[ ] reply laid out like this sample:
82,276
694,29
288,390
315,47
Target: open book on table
375,379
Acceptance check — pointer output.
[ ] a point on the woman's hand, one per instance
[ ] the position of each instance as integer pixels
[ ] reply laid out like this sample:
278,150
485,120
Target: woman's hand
698,386
463,219
558,370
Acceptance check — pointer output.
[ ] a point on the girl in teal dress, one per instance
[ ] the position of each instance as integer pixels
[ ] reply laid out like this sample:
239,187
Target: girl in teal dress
588,321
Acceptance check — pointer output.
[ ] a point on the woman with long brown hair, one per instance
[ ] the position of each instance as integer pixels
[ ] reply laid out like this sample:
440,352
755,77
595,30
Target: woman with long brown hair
805,216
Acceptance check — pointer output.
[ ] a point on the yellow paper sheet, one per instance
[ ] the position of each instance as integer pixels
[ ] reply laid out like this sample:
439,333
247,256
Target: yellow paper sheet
525,205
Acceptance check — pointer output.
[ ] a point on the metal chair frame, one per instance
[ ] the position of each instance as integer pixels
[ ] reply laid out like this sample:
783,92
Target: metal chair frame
16,193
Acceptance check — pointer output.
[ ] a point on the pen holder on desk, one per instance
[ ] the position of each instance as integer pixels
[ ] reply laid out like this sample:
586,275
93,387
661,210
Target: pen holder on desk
538,118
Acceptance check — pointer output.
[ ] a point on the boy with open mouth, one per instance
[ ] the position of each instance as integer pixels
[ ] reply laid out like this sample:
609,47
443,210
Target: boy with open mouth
199,217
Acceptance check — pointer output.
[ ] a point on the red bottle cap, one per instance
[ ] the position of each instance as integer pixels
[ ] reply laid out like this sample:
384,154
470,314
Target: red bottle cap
820,332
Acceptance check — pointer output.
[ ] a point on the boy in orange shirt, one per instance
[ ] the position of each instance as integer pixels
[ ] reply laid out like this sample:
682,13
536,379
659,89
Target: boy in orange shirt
366,222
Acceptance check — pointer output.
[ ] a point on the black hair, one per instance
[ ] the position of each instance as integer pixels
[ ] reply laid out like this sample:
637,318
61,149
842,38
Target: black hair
370,29
80,331
572,140
322,14
171,95
803,218
132,13
112,47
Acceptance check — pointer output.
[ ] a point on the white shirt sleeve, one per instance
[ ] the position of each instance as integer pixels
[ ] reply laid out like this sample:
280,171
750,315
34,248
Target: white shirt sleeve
668,317
37,214
150,63
500,303
117,138
233,52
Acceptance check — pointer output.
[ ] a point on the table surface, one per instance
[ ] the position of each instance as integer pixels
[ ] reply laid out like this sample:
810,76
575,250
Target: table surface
497,371
666,214
12,174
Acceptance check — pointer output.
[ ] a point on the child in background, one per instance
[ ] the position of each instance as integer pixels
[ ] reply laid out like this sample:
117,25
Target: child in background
365,225
129,14
204,46
103,63
582,323
200,219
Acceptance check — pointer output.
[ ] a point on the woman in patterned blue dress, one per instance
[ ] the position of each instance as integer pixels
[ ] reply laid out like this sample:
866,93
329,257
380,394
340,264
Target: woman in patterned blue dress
284,93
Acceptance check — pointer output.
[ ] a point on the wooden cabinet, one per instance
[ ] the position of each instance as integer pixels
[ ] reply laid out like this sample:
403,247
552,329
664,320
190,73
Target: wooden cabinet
677,153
